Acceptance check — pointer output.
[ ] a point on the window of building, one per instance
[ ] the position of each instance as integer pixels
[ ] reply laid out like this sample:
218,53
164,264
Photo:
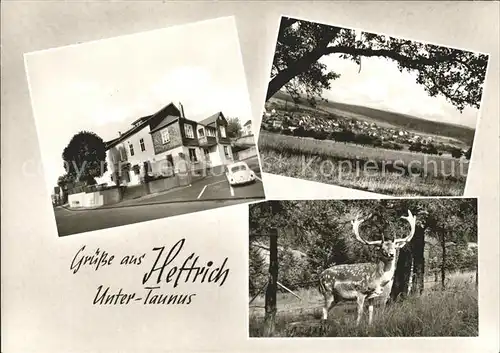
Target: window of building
143,146
188,129
131,147
165,136
201,132
222,131
226,151
192,155
123,153
210,131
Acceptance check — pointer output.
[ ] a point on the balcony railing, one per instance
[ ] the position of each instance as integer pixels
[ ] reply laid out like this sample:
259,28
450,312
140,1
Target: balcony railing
203,140
207,141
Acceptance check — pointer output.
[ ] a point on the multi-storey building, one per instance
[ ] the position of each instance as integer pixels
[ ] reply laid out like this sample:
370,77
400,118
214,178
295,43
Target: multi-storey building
166,143
247,128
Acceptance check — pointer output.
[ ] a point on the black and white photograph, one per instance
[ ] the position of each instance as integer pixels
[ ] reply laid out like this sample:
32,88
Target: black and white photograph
363,268
250,176
370,111
144,126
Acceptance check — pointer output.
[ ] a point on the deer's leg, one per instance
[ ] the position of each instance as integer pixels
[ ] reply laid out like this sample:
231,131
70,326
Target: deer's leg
329,303
361,303
370,311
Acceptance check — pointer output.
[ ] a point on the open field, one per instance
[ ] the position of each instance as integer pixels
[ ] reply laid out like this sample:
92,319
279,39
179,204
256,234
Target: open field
437,312
399,173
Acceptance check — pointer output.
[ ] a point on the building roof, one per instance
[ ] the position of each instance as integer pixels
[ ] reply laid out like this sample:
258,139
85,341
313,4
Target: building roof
107,143
141,120
167,121
137,126
141,123
249,122
126,134
211,119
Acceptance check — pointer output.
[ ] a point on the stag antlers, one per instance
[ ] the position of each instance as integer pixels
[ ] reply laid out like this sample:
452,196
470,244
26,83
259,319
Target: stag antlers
355,227
412,220
399,242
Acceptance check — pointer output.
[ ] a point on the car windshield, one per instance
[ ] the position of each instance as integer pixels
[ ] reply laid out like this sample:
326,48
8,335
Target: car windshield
237,168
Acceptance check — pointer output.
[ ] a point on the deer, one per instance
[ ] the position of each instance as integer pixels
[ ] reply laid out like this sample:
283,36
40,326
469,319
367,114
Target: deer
363,281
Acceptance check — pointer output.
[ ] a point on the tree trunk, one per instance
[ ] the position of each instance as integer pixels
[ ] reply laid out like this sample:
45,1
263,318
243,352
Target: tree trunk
402,274
284,76
443,261
270,316
418,246
411,281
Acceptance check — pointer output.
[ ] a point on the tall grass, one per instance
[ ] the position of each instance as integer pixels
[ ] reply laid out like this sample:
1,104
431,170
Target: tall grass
399,173
435,313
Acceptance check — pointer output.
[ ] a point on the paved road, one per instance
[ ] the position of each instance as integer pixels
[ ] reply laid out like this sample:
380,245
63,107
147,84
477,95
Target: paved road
71,222
210,188
210,192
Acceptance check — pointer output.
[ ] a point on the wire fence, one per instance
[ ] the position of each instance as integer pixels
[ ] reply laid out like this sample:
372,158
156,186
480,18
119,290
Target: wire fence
306,305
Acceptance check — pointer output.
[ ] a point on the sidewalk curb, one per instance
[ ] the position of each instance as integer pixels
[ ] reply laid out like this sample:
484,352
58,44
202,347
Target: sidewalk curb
161,203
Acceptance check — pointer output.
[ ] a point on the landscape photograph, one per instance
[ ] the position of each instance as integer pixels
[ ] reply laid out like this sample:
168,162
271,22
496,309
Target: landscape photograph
142,127
370,111
363,268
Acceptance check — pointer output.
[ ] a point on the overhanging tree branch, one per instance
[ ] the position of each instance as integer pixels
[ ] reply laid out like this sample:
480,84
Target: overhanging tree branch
293,70
301,44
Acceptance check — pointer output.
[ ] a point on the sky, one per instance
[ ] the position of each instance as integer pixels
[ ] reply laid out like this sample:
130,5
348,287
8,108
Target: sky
103,86
380,85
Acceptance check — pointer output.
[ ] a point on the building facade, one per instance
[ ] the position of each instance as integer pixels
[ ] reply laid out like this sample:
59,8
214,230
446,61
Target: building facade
164,144
247,128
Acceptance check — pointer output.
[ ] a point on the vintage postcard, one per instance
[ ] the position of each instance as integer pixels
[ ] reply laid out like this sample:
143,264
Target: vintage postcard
369,111
137,214
384,268
144,126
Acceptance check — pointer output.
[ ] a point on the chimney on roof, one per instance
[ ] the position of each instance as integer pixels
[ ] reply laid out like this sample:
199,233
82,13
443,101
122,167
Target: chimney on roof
182,110
119,133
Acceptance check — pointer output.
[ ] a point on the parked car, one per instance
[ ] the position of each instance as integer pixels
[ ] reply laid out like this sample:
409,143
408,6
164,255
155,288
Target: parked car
239,173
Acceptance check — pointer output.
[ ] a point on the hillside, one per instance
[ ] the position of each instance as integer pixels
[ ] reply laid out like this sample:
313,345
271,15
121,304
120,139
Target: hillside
396,120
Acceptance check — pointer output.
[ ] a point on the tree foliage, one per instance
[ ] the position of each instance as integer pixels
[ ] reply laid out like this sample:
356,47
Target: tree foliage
293,270
65,182
85,157
468,153
257,270
459,257
456,153
321,230
233,128
457,75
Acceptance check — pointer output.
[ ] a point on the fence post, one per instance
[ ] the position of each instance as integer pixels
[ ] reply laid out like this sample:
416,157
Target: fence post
270,316
443,262
477,274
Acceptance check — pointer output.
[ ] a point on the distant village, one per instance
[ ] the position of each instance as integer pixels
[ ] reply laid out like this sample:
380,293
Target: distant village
305,124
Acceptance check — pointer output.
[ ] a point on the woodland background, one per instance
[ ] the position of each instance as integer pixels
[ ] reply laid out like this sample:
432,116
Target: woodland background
314,235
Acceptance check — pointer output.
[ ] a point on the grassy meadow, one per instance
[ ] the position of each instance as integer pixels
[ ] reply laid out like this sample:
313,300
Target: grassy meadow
435,313
398,173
